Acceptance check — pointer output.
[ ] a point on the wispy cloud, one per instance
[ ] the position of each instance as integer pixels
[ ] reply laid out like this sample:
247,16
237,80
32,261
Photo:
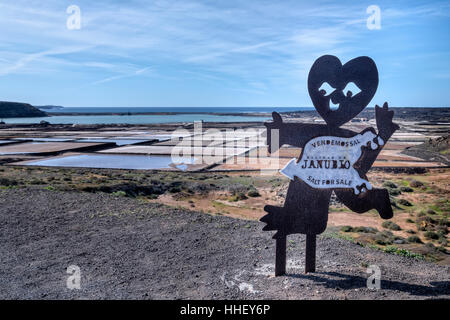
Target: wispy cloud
254,45
121,76
29,58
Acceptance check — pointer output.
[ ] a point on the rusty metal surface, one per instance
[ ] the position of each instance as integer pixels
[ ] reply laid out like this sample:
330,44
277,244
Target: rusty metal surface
306,207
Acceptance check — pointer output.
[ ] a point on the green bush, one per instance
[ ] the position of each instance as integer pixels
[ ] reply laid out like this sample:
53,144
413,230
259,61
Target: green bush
365,230
8,182
431,235
390,184
391,225
403,252
175,190
347,229
404,202
384,237
253,193
394,192
415,184
414,239
119,194
239,196
393,202
406,189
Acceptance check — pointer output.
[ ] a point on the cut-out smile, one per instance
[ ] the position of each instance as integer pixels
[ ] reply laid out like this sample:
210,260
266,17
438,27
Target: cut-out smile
333,106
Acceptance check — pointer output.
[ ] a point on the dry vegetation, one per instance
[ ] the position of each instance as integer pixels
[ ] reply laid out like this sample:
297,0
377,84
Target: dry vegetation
420,201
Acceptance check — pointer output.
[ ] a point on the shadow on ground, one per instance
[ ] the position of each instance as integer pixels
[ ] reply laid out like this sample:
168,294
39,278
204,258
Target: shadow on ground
346,282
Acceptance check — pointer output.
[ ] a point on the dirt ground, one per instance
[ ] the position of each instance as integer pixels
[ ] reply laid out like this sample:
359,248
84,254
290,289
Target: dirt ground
132,249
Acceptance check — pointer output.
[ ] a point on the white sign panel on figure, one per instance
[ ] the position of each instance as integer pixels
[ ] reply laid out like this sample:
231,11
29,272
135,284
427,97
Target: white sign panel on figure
327,162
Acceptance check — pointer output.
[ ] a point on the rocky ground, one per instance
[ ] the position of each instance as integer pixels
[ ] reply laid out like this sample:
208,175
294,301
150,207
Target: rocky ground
130,249
437,149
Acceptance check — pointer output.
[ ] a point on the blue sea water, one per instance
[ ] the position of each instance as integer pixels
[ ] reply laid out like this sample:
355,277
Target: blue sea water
177,109
183,115
135,119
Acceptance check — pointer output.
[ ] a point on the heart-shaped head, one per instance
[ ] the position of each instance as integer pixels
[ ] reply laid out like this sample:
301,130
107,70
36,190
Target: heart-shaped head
340,92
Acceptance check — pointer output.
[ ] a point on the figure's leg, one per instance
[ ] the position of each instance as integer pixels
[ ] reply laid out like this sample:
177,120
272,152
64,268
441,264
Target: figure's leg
372,199
305,211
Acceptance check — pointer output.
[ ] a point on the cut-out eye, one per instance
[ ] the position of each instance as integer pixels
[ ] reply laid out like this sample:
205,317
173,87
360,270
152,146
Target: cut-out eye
327,88
351,89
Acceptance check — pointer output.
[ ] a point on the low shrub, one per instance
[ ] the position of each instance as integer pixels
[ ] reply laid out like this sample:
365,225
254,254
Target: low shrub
394,192
414,239
415,184
347,229
8,182
119,194
391,225
404,202
390,184
253,193
384,238
403,252
175,189
393,202
237,197
431,235
365,230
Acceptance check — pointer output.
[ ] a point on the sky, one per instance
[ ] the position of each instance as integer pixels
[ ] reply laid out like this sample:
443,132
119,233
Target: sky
216,53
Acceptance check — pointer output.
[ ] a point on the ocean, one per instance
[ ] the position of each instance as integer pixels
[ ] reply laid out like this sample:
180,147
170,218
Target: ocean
177,110
183,115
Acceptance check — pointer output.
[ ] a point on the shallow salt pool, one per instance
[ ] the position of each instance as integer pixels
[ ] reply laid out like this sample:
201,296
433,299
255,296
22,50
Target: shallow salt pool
143,162
6,141
119,142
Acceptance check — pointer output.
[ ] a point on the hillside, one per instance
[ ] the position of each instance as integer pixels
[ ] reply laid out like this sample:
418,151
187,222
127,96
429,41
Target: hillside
432,150
19,110
129,249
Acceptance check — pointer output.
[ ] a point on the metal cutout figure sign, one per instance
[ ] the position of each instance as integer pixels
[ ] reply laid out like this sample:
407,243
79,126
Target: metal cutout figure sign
333,159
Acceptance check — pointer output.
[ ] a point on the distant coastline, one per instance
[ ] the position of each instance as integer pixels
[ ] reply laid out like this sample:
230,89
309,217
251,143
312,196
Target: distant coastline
256,111
14,113
419,113
10,109
236,114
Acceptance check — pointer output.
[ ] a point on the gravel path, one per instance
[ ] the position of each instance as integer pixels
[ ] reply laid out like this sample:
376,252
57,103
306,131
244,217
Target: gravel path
128,249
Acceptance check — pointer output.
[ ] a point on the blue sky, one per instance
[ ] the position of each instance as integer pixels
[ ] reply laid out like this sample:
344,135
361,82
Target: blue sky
211,53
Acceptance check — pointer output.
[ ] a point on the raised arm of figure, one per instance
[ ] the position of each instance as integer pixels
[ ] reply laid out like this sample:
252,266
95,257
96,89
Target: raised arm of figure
386,128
